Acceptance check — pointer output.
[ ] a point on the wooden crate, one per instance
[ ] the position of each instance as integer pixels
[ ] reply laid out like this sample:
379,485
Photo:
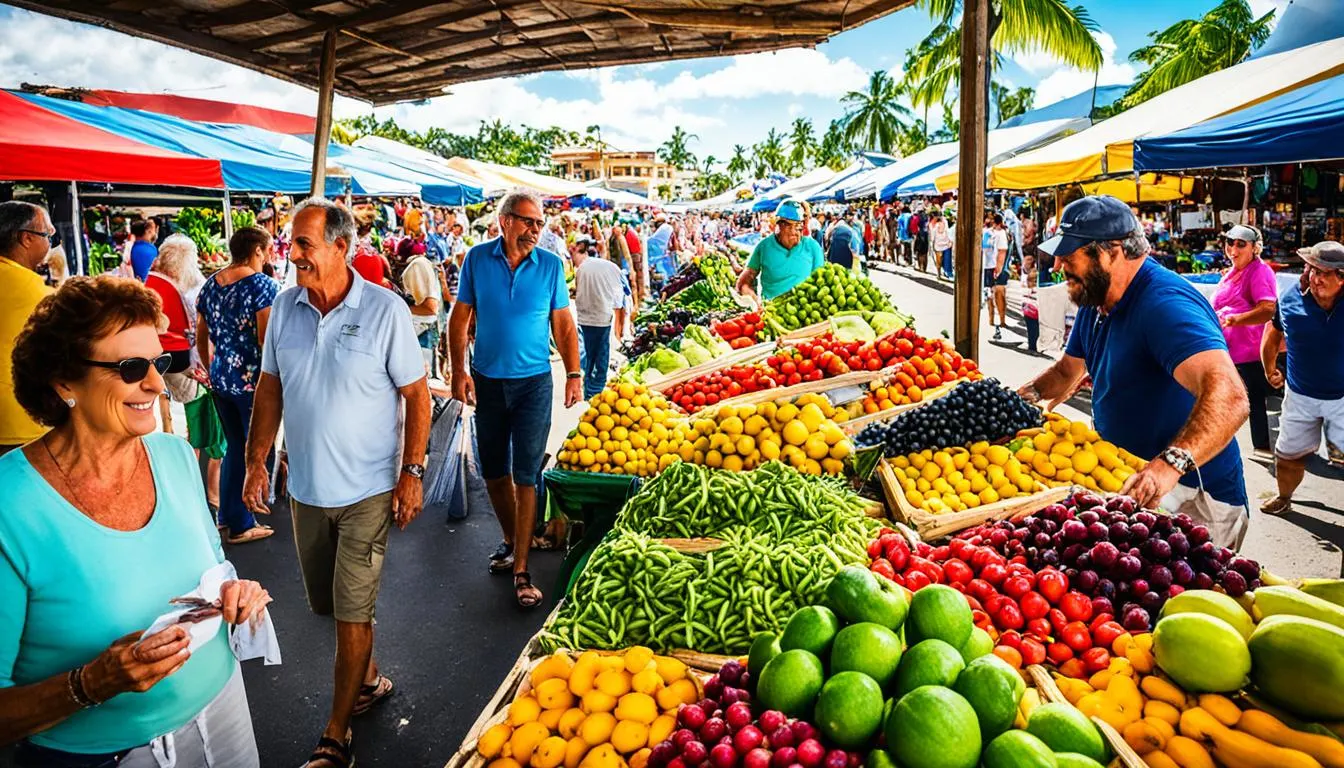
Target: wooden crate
746,356
807,331
930,526
1050,692
808,387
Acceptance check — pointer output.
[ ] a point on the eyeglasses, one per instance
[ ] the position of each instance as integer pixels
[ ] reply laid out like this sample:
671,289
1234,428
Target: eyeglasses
48,235
1239,243
529,221
133,370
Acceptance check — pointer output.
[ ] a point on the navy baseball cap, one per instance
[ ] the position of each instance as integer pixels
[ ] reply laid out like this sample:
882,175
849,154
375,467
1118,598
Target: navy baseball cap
1088,220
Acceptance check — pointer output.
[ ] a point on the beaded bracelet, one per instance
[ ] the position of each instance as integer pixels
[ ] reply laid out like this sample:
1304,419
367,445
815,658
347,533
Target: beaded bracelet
74,683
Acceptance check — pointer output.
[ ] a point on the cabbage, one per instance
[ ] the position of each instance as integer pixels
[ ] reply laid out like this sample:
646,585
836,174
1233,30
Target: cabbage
851,328
667,361
694,353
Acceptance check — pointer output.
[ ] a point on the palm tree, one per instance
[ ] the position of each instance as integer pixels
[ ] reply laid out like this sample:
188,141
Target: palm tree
835,150
914,137
802,144
593,138
1023,26
769,154
1009,102
951,128
1193,48
738,165
875,117
676,153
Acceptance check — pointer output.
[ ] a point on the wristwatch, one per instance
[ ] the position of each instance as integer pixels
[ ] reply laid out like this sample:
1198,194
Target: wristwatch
414,470
574,375
1180,459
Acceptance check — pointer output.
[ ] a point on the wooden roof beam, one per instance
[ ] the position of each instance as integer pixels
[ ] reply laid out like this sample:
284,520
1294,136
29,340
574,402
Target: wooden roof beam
383,12
453,41
729,21
448,62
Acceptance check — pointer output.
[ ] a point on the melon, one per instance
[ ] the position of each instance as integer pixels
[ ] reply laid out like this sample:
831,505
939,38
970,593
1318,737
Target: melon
1299,666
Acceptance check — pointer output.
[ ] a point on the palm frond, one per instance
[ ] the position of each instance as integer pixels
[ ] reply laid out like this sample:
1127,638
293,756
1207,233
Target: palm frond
1052,27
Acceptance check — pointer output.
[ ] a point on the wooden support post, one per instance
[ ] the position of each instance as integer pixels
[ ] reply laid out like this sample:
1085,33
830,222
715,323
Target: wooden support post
228,217
77,222
325,90
971,182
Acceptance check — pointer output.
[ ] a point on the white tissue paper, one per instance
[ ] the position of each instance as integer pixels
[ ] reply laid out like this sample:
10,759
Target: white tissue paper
253,639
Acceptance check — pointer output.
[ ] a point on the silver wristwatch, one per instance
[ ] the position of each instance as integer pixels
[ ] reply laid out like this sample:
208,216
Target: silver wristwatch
1180,459
414,470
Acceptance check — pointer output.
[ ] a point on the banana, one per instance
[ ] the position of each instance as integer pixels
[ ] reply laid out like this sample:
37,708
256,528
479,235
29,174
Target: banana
1188,753
1161,710
1221,707
1236,749
1160,760
1326,589
1274,580
1155,687
1143,737
1329,752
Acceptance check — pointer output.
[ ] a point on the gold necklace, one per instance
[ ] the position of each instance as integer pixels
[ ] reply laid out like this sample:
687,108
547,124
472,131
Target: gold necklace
65,478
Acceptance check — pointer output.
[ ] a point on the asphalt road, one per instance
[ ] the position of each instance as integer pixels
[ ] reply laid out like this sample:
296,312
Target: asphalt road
448,631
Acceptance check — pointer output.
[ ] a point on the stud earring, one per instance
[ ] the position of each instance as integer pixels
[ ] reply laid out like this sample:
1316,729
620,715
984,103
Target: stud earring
70,401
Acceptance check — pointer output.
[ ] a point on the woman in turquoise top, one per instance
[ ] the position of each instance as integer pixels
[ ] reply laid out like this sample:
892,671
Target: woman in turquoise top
103,522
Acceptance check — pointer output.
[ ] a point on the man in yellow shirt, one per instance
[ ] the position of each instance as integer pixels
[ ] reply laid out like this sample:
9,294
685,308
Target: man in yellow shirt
25,238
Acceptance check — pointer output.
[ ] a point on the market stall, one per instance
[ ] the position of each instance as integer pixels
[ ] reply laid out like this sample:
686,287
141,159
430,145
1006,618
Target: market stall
841,544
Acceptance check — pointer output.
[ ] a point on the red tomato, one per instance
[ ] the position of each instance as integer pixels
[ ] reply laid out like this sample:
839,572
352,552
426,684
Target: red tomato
1058,653
1073,668
1096,659
698,398
1057,619
806,366
904,347
994,573
882,567
1098,620
1040,629
1011,638
795,378
1016,586
712,398
1033,651
958,572
1105,634
1034,606
980,589
788,367
1053,584
916,580
1009,616
1076,636
1010,655
873,363
875,549
1076,606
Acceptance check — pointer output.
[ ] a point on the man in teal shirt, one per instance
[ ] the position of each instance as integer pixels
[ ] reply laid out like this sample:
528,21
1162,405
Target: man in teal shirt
783,259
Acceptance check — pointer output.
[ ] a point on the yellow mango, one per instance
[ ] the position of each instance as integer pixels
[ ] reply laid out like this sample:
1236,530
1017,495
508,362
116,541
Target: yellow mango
550,753
525,740
493,740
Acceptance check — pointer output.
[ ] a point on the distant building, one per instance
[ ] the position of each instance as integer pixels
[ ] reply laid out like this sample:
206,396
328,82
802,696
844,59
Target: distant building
639,172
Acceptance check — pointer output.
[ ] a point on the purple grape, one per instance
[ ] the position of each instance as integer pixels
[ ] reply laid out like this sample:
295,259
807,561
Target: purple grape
1050,557
1234,583
1057,512
1225,555
1147,518
731,672
1203,581
662,753
1020,534
1102,605
1051,526
1098,531
714,687
1107,588
1182,573
1159,549
730,696
1072,552
1159,576
1138,586
1128,505
1074,530
1180,544
1129,566
1134,552
1084,561
1163,525
1151,602
1086,581
1119,530
1104,554
1071,572
1042,540
1087,499
1139,532
1031,521
1113,503
1198,534
1089,517
1206,549
1184,521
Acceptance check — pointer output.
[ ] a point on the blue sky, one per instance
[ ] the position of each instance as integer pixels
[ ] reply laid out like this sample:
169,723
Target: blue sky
723,101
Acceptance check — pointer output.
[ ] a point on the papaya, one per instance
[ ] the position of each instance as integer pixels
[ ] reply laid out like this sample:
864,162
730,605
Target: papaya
1211,603
1280,601
1298,665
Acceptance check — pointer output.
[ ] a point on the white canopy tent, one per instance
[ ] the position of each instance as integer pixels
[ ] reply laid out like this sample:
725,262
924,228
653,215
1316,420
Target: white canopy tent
801,186
1107,148
1003,144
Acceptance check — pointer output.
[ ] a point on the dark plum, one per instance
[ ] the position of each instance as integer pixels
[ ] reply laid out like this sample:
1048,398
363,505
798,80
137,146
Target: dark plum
1106,588
1042,540
1198,534
1138,586
1072,552
1180,545
1203,581
1084,561
1086,581
1129,566
1074,530
1234,583
1139,531
1159,550
1104,555
1159,576
1147,518
1102,605
1119,530
1089,517
1098,530
1137,620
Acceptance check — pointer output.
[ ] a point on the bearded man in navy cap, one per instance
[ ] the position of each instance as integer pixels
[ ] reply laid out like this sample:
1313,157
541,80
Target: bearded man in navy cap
1163,384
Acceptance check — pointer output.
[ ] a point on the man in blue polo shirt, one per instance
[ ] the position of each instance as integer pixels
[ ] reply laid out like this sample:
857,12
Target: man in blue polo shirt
517,295
1163,384
1308,318
783,259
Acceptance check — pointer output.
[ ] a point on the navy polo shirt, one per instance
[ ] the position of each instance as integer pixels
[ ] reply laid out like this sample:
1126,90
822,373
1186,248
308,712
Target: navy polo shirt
1133,352
513,309
1315,344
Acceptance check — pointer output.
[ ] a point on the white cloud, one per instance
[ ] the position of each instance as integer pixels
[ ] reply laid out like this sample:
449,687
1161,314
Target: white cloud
1063,82
795,109
795,72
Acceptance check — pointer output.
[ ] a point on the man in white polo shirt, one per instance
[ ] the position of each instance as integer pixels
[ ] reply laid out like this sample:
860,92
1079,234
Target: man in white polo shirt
599,299
339,360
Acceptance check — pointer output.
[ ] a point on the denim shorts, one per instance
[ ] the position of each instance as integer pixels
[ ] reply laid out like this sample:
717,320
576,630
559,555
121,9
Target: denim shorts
513,422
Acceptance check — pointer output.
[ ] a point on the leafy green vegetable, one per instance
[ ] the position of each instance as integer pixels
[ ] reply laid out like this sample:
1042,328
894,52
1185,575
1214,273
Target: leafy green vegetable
667,361
851,328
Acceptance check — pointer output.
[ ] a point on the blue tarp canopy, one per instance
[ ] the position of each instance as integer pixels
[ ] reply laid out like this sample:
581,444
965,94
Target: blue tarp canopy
1080,105
1303,23
1300,126
438,186
893,176
865,163
245,166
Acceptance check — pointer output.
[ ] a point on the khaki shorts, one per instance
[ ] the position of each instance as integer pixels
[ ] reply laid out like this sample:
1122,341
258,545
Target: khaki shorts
341,554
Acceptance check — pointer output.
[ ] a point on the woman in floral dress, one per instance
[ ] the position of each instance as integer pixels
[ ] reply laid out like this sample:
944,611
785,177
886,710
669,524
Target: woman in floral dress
233,307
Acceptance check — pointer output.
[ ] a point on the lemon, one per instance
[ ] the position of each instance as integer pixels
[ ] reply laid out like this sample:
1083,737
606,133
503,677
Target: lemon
1043,441
629,736
493,740
915,498
841,449
1025,453
596,701
550,753
1084,462
786,412
575,749
755,424
641,758
504,762
714,459
570,720
525,739
604,423
1059,426
770,451
795,432
917,461
980,447
733,463
1063,447
731,426
597,728
988,496
614,682
997,454
587,429
678,692
524,710
745,445
816,447
960,459
931,472
811,415
1078,431
969,499
980,462
810,467
554,694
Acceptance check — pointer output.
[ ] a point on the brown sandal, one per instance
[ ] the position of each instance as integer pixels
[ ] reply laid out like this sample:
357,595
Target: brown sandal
331,753
255,533
372,693
525,591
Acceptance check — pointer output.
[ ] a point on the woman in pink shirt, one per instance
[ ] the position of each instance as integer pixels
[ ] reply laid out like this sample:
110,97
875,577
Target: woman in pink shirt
1245,301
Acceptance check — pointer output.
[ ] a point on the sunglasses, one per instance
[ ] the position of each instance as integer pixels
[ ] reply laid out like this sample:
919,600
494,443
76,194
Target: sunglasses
529,221
133,370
